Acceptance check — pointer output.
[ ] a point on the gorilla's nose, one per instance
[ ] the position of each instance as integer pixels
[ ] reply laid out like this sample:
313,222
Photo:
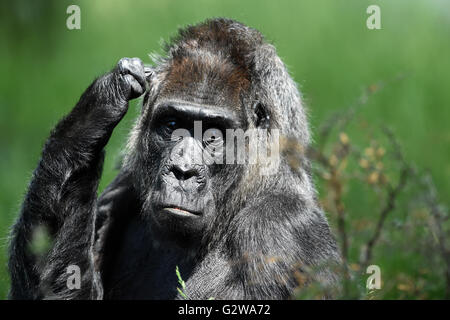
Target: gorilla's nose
185,164
187,177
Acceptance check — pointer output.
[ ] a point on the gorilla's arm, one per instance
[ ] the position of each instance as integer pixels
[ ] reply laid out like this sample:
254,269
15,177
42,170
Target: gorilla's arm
62,194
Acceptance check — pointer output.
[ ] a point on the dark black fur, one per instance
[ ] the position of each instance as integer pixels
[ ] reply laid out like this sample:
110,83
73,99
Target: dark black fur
252,233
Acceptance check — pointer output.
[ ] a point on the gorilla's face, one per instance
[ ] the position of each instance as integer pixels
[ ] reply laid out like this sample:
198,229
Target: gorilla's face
183,170
186,148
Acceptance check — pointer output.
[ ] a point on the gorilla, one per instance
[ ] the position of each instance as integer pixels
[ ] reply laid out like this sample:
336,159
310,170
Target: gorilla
233,230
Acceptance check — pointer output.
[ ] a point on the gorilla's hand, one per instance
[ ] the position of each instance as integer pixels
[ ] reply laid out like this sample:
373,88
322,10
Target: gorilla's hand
131,75
105,102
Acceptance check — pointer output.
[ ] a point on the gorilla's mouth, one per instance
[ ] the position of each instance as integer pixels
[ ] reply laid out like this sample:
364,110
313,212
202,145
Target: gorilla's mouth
181,212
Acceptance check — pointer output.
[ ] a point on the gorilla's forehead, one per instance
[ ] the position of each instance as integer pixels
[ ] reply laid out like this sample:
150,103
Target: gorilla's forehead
206,78
193,111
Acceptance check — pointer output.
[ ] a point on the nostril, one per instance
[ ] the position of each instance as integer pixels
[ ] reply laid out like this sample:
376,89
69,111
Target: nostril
177,173
184,174
190,173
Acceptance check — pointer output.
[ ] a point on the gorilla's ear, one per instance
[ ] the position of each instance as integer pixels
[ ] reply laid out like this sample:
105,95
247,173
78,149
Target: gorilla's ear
262,117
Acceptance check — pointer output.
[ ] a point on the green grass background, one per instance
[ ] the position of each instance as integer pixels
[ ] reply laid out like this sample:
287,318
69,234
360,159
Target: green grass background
325,44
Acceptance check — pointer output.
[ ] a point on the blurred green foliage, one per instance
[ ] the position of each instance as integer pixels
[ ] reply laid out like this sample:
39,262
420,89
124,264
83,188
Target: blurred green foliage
325,44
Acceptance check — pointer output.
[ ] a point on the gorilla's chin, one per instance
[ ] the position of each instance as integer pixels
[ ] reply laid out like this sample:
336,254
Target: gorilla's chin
174,223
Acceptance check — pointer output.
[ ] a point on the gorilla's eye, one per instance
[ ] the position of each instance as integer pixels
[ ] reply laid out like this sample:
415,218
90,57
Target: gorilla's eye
171,124
168,126
212,136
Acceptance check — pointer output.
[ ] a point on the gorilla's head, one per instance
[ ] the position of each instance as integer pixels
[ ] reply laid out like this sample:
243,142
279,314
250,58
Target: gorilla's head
217,77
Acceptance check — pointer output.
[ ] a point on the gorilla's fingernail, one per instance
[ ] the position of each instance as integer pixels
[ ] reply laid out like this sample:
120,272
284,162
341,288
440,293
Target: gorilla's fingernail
148,71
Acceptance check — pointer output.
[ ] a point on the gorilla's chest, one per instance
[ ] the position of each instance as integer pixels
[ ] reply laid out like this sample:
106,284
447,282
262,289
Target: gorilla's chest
141,271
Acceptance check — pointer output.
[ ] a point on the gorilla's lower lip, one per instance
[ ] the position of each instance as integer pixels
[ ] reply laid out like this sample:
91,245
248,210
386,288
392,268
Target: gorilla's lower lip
181,212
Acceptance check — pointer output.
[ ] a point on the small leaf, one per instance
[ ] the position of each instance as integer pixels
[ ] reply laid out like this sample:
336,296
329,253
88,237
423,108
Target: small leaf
182,293
180,280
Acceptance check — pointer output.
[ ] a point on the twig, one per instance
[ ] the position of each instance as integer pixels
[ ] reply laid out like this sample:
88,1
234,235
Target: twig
392,195
388,208
438,218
